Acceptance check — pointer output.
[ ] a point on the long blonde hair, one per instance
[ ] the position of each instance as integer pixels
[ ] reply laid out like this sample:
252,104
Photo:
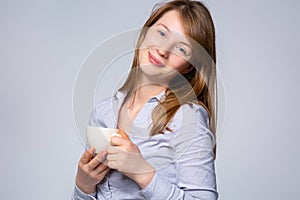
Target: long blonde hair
200,82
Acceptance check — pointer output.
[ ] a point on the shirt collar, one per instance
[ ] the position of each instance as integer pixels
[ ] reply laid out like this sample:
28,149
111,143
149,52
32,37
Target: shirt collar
120,95
159,97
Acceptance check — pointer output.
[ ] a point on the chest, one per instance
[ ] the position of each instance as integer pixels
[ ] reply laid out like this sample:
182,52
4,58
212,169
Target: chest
156,149
135,118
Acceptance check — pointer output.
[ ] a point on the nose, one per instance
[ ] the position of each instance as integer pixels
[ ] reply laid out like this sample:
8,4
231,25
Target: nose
163,53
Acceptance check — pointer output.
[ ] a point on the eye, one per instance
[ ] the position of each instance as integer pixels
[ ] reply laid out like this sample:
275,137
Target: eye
182,51
161,33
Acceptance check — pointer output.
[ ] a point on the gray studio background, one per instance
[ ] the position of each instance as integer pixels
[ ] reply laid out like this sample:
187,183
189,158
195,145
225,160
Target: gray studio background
43,44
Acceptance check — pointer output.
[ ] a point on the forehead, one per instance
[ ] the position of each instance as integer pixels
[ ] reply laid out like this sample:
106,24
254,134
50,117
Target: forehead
172,20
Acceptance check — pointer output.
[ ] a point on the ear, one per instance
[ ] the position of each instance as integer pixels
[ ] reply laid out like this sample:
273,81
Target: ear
187,70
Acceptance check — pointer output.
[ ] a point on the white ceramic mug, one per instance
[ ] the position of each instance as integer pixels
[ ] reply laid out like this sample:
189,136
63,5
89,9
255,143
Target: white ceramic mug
100,137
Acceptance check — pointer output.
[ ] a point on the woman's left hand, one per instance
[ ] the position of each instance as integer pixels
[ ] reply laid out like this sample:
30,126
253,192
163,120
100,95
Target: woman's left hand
126,157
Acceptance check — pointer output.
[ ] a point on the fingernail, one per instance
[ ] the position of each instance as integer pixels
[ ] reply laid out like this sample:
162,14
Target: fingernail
91,150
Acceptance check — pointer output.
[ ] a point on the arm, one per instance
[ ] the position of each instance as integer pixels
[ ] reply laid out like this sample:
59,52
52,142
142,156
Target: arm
90,172
194,158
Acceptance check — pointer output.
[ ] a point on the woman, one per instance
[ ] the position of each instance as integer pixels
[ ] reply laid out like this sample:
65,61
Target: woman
166,114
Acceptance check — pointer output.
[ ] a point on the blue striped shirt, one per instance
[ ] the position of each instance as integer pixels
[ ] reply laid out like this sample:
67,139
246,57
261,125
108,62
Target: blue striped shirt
183,158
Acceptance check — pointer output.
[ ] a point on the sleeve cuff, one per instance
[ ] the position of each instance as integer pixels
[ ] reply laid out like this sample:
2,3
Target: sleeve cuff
79,195
158,188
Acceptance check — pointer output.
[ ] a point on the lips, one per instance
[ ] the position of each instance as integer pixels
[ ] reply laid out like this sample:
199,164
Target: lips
154,60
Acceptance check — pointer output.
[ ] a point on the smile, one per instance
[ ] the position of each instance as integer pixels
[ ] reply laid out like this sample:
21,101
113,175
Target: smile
154,60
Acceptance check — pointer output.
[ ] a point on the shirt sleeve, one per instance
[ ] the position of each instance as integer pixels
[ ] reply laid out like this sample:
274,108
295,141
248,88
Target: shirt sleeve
79,195
104,113
94,119
193,146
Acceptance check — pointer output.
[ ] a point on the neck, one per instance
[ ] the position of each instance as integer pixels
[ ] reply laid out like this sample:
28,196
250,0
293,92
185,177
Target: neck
144,92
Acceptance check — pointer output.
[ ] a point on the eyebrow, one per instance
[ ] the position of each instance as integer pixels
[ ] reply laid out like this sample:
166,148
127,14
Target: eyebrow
164,26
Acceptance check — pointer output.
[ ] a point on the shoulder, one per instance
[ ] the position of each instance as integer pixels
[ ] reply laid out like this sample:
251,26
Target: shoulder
104,105
191,127
192,118
193,113
104,113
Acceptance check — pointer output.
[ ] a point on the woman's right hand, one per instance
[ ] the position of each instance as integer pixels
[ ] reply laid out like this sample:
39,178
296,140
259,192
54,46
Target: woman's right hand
91,170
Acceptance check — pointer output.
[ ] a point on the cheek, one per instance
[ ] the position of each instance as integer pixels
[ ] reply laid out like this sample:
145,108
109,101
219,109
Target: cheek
178,63
142,56
151,40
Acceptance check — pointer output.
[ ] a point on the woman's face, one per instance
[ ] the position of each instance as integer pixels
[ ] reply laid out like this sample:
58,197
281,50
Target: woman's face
165,51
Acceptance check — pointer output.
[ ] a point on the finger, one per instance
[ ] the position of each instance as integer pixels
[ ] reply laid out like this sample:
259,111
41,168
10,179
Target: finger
87,155
112,157
100,168
123,134
98,159
105,162
118,141
112,150
112,164
102,173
